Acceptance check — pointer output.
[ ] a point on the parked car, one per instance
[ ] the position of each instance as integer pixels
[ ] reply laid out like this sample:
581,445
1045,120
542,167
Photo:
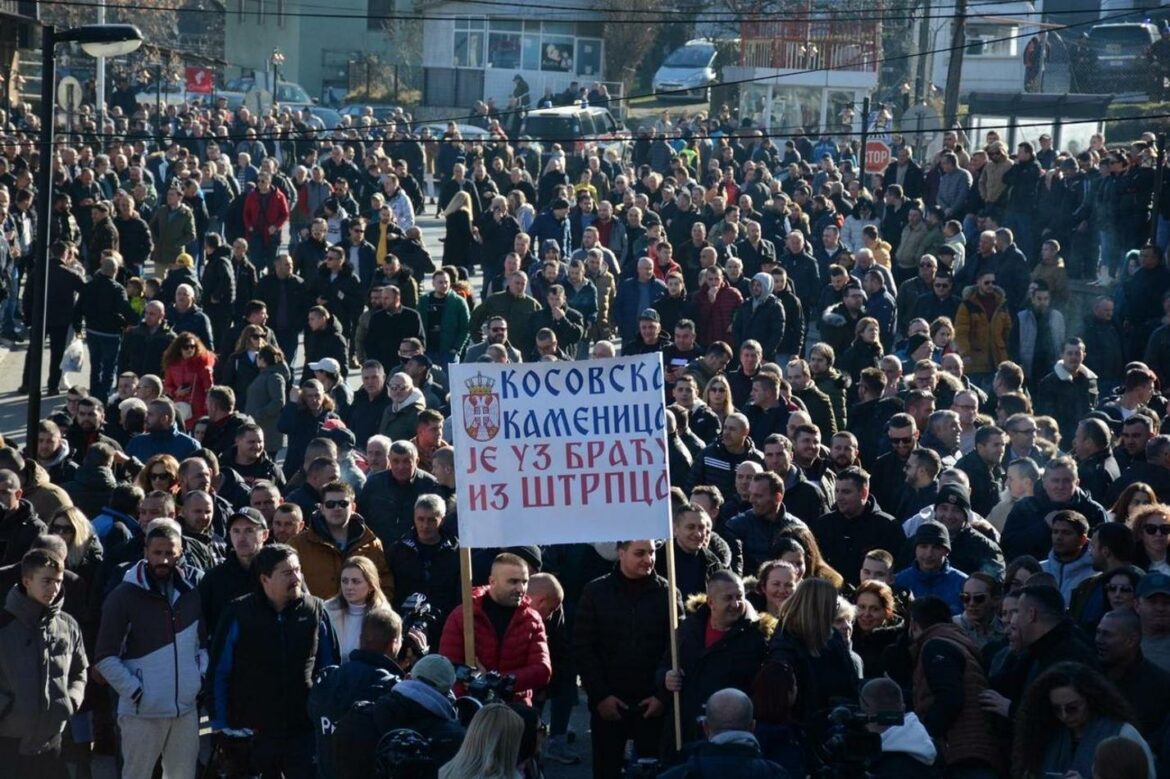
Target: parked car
469,132
1117,57
289,94
687,73
575,128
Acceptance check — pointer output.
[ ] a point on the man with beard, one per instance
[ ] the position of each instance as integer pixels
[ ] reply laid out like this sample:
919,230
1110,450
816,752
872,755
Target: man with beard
285,631
155,612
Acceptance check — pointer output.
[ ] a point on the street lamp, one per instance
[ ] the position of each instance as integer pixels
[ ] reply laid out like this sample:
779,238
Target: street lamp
96,40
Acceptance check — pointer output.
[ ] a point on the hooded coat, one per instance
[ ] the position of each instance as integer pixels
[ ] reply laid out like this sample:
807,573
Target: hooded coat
982,341
730,662
760,318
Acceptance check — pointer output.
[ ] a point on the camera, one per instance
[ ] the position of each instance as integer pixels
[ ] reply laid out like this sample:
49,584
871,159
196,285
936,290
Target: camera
481,689
848,746
419,614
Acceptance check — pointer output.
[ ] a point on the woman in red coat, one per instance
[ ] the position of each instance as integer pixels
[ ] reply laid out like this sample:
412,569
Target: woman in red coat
188,366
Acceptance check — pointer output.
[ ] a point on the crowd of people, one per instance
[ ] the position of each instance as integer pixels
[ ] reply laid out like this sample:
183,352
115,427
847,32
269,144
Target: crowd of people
901,481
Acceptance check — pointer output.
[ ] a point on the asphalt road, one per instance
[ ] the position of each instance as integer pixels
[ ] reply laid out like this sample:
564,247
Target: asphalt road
13,414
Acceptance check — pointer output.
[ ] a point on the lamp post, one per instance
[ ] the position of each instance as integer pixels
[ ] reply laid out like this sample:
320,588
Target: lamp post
97,40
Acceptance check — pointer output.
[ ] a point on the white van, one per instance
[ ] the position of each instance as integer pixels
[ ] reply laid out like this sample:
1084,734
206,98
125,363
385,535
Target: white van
688,72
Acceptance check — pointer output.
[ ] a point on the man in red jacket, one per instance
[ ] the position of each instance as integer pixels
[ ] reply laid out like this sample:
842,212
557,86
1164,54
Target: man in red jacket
265,214
509,632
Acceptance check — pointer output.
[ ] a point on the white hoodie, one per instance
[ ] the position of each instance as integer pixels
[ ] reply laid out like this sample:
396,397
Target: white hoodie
912,739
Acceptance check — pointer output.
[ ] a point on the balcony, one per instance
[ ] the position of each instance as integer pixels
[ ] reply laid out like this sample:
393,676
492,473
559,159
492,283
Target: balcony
812,44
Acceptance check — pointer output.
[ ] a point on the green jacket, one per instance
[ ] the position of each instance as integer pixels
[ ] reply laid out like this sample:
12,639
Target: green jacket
456,323
515,310
42,670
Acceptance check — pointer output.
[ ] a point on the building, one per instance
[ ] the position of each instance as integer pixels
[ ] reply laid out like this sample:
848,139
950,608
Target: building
997,36
810,72
476,56
318,42
19,29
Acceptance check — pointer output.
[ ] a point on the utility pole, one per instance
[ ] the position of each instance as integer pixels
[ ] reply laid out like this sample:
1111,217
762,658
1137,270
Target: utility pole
1159,178
100,79
864,139
921,79
955,65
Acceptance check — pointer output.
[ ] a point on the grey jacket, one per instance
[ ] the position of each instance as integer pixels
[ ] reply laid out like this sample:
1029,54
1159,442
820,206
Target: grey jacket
42,670
266,396
1029,329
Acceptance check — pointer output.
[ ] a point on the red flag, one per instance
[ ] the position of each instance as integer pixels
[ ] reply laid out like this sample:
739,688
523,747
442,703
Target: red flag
199,80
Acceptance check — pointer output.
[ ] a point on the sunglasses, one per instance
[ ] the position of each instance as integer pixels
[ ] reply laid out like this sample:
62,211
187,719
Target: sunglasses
1155,530
161,475
901,441
717,389
62,528
334,504
1120,589
978,598
188,347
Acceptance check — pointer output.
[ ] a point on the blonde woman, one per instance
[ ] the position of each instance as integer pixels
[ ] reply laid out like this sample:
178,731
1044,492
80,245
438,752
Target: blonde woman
360,592
491,748
717,396
457,242
85,550
817,652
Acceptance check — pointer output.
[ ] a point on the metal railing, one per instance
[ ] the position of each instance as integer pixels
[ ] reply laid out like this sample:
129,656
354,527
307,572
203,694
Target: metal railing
830,43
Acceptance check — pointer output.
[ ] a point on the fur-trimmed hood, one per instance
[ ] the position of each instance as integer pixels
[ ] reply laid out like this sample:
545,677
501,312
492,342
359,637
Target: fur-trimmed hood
764,622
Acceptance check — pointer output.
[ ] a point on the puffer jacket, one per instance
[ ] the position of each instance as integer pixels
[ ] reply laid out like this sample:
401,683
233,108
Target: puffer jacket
523,651
436,574
322,559
301,427
42,670
982,342
731,662
716,466
264,401
152,647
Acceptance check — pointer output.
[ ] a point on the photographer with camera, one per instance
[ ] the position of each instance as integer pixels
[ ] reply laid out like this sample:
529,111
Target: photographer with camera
721,645
370,673
426,561
268,647
509,633
731,748
421,702
906,749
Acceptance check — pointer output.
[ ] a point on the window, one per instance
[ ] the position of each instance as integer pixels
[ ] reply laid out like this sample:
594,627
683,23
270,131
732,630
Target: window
469,42
559,28
588,57
530,55
987,40
556,55
376,13
504,50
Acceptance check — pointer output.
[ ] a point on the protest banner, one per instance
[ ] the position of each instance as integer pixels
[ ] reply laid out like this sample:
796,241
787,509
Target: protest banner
560,452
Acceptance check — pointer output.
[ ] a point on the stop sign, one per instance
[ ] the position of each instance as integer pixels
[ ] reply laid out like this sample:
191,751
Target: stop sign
877,156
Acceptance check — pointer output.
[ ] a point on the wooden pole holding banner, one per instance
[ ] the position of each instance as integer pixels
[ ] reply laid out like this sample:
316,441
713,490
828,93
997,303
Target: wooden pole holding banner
670,577
468,610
